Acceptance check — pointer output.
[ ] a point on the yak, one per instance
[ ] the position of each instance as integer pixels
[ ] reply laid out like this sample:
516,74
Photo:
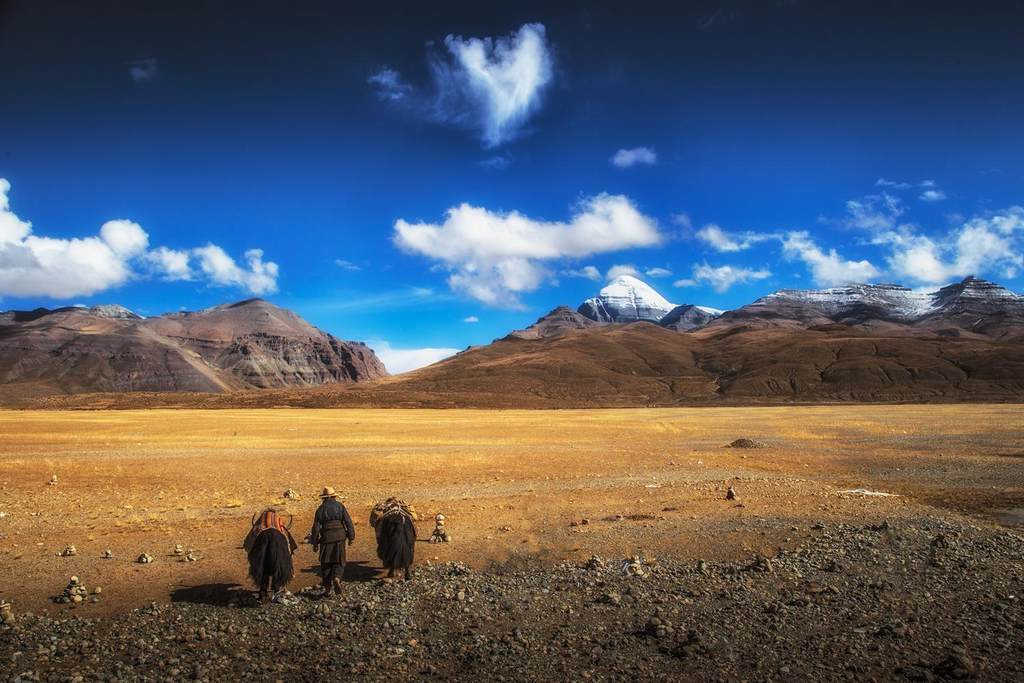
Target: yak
270,546
393,523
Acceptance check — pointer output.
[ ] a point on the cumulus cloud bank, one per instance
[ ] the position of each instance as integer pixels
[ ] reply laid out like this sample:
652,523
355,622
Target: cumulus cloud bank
994,242
494,257
60,268
398,361
827,268
492,85
637,156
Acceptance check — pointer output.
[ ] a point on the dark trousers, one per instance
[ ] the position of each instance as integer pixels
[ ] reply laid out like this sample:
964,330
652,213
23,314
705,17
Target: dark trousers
332,564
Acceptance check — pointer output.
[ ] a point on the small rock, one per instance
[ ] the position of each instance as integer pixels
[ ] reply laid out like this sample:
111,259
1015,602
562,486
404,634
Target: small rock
730,494
69,551
747,443
144,558
53,481
291,494
107,554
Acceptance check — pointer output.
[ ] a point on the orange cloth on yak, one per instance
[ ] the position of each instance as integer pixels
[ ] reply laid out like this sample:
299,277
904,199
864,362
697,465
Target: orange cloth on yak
271,520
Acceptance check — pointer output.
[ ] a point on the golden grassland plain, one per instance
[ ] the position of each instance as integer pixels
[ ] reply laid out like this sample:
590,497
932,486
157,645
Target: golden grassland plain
515,485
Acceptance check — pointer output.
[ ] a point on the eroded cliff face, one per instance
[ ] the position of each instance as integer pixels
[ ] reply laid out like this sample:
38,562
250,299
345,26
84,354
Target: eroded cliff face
251,344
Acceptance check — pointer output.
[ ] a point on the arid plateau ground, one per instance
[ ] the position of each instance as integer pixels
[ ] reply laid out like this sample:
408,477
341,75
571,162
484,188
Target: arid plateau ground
526,492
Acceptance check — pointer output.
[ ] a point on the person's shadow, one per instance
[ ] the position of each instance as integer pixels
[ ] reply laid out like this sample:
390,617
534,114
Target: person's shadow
358,571
219,594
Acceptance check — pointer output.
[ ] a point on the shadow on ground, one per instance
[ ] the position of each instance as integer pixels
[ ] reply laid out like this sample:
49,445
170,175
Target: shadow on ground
210,593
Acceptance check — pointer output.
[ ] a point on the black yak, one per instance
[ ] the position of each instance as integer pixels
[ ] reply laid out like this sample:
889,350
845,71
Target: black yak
396,535
270,546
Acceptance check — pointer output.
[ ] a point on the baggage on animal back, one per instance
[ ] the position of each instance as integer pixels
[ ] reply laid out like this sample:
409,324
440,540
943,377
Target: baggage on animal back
393,522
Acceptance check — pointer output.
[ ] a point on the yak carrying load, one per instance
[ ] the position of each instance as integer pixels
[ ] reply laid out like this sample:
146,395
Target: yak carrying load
393,520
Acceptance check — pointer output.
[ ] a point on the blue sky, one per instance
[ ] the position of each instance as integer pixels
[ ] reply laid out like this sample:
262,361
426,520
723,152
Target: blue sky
390,175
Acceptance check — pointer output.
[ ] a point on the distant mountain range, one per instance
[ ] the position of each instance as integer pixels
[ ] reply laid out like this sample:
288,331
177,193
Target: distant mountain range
246,345
628,346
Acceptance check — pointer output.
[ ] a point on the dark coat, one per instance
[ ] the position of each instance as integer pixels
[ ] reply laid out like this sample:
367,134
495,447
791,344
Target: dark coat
332,526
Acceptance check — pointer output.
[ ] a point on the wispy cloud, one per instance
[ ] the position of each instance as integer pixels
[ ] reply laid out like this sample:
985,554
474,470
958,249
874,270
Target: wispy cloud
347,265
490,85
637,156
658,272
723,241
144,70
722,278
471,319
586,272
932,195
389,85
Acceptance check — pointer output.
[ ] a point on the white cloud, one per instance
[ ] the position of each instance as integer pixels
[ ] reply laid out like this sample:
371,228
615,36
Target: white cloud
390,85
32,265
346,265
398,361
471,319
493,257
896,185
873,212
493,85
658,272
932,196
60,268
621,269
722,278
586,272
627,158
171,264
144,70
260,277
981,245
827,268
723,241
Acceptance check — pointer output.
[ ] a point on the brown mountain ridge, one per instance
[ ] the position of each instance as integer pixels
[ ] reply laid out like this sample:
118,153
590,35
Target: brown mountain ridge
246,345
865,343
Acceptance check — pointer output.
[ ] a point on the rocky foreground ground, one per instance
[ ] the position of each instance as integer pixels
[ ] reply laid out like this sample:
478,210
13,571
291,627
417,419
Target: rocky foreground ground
913,599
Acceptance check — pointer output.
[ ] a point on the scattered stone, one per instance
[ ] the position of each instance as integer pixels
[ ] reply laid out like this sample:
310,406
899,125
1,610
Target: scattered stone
53,481
633,566
594,563
730,494
144,558
69,551
610,598
190,556
957,665
179,550
291,494
6,614
107,555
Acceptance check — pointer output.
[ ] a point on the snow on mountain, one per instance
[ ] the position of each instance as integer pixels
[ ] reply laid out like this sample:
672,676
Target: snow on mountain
899,302
894,302
626,299
115,311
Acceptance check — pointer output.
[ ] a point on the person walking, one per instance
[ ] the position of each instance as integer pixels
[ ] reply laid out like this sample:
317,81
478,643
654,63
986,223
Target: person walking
332,528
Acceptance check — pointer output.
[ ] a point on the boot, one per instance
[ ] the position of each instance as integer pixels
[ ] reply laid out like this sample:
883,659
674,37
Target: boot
337,585
408,573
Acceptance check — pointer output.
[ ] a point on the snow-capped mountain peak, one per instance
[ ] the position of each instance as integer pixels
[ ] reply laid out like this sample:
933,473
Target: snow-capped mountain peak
626,299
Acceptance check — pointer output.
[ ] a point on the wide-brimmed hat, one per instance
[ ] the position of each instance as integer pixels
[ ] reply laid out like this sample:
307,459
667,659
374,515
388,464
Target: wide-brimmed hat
328,492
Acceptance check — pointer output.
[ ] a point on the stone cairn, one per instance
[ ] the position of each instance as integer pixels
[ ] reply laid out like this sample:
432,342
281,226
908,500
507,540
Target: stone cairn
74,593
144,558
440,534
6,613
69,551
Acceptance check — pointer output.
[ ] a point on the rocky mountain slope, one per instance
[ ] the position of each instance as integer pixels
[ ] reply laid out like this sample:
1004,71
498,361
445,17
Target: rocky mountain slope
250,344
